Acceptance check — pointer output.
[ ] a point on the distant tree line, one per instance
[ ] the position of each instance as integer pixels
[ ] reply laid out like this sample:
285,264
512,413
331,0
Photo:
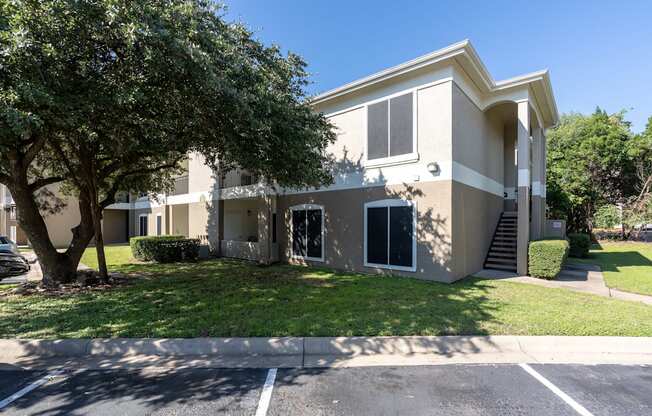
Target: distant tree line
599,172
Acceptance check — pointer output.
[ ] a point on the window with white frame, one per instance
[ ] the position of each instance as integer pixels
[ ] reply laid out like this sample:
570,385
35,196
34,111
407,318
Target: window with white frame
307,232
391,128
390,234
142,224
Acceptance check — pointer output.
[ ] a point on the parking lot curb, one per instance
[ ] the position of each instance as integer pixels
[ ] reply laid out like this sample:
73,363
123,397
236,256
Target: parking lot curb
338,351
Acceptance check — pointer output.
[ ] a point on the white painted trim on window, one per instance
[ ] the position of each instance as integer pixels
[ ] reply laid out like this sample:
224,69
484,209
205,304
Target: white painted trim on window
398,159
306,207
391,160
393,203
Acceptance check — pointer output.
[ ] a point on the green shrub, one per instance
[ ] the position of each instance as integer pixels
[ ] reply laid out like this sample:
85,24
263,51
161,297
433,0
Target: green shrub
579,244
546,258
164,249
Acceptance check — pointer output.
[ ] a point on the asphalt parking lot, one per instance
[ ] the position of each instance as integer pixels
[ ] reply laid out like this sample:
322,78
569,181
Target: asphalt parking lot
506,389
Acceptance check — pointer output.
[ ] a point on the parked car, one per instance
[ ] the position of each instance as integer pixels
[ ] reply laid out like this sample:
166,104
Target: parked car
12,264
7,244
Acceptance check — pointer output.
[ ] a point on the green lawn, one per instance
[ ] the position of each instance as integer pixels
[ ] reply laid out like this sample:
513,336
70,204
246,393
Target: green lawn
626,266
116,255
231,298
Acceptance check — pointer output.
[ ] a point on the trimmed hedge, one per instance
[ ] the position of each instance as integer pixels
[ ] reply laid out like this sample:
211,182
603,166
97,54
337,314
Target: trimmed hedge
165,248
546,258
579,244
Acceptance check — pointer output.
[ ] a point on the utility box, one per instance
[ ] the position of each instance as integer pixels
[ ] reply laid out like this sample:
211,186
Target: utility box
555,229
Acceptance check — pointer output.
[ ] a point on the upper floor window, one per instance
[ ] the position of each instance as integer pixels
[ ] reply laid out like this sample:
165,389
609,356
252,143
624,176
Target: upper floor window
390,128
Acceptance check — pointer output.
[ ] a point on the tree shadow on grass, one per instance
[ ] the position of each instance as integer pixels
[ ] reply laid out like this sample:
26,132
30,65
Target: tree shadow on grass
228,298
613,261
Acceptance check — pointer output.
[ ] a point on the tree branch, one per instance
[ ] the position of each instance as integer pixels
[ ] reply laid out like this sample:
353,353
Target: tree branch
40,183
34,149
110,194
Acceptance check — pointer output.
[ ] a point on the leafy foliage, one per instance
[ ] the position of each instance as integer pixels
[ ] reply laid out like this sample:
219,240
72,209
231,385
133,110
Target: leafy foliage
165,249
101,97
591,162
607,216
579,244
546,258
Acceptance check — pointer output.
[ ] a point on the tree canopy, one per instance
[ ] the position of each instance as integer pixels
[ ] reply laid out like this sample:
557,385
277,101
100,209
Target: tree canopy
106,96
595,161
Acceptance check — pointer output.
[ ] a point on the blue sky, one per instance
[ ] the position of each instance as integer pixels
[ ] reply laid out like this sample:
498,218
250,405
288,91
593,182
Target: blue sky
598,52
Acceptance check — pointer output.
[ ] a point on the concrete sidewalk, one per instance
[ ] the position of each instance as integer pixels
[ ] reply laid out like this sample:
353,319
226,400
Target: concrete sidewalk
586,278
322,352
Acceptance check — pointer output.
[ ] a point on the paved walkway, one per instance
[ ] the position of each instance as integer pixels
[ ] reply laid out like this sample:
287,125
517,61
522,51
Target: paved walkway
585,278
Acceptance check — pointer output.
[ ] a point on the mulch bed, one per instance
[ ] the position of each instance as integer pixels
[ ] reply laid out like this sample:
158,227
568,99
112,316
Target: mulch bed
87,282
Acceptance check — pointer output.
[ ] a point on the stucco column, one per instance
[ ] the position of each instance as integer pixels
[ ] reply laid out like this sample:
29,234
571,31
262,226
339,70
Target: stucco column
523,144
537,156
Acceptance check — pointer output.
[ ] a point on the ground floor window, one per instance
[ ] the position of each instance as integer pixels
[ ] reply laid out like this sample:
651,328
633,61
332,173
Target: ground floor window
307,232
142,225
390,234
159,224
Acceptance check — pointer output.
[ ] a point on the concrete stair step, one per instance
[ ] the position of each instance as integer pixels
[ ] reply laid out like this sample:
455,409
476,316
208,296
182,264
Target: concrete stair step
498,266
500,260
505,255
503,250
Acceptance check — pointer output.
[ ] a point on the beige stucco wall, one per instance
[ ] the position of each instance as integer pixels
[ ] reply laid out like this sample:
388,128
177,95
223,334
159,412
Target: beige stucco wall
115,226
475,216
200,176
433,113
59,225
477,137
203,218
478,144
179,220
151,220
510,169
241,219
344,227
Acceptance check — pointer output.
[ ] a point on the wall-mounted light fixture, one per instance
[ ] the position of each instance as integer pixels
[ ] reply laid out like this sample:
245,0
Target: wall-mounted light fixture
433,168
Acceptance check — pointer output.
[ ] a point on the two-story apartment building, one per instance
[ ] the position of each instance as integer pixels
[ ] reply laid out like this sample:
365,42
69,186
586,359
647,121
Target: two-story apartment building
430,155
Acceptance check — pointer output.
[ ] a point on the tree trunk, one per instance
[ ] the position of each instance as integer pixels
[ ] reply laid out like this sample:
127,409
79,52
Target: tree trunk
56,267
99,243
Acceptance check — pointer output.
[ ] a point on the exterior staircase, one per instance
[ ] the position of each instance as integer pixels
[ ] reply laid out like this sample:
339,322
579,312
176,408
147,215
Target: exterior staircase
502,252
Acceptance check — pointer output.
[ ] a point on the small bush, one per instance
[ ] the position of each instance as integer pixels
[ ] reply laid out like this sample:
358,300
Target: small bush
579,244
164,249
546,258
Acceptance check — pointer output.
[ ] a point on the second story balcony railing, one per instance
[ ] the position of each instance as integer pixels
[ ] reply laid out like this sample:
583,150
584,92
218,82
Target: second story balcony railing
180,185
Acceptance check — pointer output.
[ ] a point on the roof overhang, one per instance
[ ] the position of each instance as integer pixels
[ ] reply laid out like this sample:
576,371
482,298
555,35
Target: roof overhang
465,55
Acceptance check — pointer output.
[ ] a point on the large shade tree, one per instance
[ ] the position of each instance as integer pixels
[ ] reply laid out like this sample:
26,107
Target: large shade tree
596,161
100,97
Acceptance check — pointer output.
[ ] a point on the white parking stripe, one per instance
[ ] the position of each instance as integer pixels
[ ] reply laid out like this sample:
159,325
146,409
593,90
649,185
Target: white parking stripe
6,402
565,397
266,395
